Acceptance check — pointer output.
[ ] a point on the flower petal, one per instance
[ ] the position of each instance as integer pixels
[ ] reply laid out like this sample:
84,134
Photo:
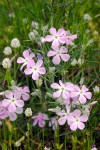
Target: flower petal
20,60
56,60
51,53
49,38
62,120
53,31
55,43
39,63
35,75
55,86
82,99
83,118
65,57
57,94
42,70
73,126
88,95
20,103
12,108
81,125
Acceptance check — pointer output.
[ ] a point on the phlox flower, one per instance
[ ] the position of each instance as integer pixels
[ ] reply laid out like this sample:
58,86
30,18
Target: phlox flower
56,37
40,119
27,60
3,111
54,123
35,69
63,115
75,120
24,92
81,94
59,54
70,38
63,90
12,101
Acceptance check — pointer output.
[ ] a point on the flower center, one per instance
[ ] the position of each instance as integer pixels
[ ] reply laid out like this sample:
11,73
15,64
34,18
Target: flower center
76,119
55,36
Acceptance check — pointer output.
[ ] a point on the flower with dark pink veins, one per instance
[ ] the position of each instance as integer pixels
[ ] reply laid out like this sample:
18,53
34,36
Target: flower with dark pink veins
35,69
40,119
59,54
75,120
82,94
56,37
12,101
27,60
63,90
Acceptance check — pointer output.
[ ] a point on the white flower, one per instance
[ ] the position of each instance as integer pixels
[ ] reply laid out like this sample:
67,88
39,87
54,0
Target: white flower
94,148
81,81
15,43
95,32
42,39
11,15
35,24
17,144
6,63
45,148
32,34
25,20
96,89
80,61
28,112
44,28
74,62
87,17
7,50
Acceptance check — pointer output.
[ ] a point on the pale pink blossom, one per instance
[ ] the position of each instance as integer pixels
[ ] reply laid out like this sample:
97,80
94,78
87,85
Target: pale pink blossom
75,120
12,101
63,115
82,94
59,54
27,60
56,37
63,90
35,69
24,92
70,38
40,119
3,111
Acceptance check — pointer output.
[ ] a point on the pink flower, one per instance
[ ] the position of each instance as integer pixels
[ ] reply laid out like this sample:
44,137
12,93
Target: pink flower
70,38
27,60
54,123
81,94
63,115
75,120
40,119
3,111
59,54
12,101
63,90
56,38
35,69
24,92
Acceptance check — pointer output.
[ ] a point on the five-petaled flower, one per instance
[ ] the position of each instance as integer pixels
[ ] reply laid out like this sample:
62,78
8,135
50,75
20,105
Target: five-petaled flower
75,120
35,69
40,119
27,60
59,54
12,101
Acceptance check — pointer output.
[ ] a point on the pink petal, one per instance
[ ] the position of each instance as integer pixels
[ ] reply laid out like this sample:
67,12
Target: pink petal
88,95
20,103
26,89
6,102
26,53
55,86
9,95
41,123
80,125
22,66
51,53
49,38
68,42
19,110
63,49
62,120
17,94
77,113
53,31
84,89
83,118
65,57
12,107
20,60
82,99
35,122
65,95
39,63
62,39
35,75
12,116
72,37
55,43
56,60
74,94
28,71
42,70
25,96
57,94
73,126
61,32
